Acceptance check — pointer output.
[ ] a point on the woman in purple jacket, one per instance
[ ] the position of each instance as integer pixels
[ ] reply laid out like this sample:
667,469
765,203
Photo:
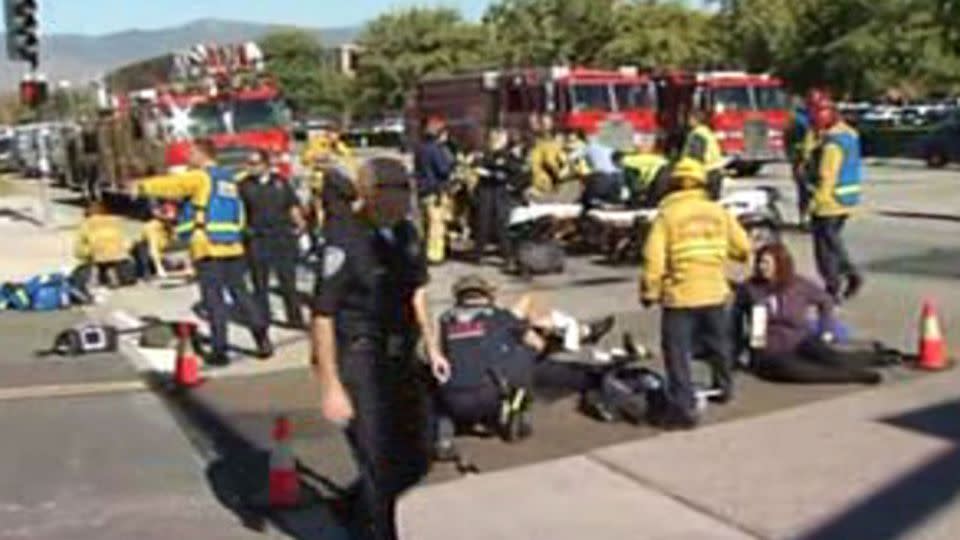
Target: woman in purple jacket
790,350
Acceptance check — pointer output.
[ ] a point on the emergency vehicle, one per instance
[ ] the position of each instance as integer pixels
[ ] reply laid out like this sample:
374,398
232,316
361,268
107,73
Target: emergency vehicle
214,92
748,112
619,106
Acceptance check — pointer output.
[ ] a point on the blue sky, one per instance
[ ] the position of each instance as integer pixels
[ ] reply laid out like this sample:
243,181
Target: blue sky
105,16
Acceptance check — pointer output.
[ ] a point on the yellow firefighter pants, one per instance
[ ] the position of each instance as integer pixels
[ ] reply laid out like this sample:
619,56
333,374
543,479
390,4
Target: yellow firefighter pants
438,211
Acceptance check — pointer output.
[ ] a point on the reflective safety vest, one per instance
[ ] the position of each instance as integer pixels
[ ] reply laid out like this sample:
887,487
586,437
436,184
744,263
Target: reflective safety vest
222,218
849,179
643,168
712,154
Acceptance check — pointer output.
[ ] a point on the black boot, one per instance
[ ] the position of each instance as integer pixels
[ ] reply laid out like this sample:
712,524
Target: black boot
597,329
264,345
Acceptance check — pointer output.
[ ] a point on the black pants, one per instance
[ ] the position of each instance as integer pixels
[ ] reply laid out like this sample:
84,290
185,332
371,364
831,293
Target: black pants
833,261
143,261
816,362
217,276
715,184
492,218
275,255
481,404
710,326
107,274
804,190
389,434
601,188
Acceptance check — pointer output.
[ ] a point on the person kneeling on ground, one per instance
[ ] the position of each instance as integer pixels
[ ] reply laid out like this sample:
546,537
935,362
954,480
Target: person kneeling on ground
155,239
101,245
790,350
490,347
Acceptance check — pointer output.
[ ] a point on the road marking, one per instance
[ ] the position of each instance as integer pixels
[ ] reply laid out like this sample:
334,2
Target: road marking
71,390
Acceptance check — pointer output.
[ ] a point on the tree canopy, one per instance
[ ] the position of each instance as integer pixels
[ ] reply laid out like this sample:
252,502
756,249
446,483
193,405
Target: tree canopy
856,48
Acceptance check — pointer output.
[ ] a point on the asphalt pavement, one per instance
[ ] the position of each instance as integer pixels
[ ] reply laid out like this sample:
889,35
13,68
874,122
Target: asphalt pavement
106,455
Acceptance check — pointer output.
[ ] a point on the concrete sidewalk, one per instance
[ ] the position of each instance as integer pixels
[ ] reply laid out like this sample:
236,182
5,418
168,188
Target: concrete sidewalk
878,464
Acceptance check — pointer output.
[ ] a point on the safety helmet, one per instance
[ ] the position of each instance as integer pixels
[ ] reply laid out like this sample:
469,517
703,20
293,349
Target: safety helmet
824,116
691,171
473,283
816,98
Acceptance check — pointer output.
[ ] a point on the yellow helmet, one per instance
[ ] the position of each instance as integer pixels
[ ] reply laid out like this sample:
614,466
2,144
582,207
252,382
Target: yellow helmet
690,173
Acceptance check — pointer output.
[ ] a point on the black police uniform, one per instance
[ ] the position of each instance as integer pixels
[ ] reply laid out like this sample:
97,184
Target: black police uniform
493,199
481,339
272,241
366,284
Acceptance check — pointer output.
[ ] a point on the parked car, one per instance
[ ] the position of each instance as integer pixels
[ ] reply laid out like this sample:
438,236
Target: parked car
942,145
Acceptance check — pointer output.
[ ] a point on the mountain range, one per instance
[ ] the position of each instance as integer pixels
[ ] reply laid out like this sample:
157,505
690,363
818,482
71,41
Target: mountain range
81,58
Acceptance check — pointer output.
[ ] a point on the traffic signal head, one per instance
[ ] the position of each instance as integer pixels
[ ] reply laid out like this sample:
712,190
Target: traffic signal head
33,92
23,39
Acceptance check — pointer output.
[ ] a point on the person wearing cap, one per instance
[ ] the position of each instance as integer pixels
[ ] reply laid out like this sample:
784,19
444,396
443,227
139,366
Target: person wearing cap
497,171
837,193
548,160
369,314
213,220
703,146
479,336
274,224
685,257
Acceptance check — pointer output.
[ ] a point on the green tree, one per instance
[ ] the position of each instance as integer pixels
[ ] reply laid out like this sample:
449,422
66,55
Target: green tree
660,35
295,59
755,34
402,47
549,32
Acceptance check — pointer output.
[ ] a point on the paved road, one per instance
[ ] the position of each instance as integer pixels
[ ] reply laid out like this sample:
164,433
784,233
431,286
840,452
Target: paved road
155,473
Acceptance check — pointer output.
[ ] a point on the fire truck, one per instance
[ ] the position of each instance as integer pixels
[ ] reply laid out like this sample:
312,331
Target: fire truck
152,110
619,106
748,112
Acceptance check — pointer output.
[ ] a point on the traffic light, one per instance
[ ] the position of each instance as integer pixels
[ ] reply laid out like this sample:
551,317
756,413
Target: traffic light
33,91
23,39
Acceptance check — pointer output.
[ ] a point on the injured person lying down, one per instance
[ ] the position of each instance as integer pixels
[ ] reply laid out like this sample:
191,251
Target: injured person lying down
495,351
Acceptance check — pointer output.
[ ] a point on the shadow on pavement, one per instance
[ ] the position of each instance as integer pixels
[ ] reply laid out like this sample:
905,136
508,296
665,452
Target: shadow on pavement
909,501
920,215
937,263
238,470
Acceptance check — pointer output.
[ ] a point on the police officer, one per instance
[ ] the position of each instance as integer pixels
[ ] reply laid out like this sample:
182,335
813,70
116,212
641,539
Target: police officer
685,257
275,222
214,219
703,146
433,166
836,196
370,310
498,168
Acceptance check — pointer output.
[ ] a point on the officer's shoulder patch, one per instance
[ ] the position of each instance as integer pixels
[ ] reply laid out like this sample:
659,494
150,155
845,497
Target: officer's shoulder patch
333,259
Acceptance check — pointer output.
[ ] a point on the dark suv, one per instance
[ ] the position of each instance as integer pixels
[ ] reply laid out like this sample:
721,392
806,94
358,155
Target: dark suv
942,145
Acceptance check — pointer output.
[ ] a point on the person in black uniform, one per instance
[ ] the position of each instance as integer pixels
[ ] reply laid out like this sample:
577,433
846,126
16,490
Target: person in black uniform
498,169
274,223
370,310
486,342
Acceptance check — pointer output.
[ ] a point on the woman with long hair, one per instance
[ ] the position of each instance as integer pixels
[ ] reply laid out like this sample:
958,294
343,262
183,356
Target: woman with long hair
790,350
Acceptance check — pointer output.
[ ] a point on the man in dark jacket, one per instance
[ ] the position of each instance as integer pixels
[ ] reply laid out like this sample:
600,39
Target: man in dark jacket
433,165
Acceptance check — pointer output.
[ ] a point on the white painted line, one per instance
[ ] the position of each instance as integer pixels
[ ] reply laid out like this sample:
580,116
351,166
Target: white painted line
70,390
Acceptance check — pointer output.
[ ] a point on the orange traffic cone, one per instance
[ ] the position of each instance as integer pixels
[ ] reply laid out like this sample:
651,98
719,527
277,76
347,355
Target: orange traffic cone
186,372
932,351
283,490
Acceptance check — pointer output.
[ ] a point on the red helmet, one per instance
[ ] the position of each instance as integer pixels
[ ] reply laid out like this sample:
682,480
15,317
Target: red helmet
167,211
824,116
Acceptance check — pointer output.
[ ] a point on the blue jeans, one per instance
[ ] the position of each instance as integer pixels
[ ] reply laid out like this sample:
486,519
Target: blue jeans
711,327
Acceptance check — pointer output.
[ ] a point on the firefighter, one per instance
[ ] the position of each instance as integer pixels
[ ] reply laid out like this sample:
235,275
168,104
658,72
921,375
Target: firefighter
433,168
643,171
685,258
547,160
101,244
836,194
802,144
155,238
214,219
703,146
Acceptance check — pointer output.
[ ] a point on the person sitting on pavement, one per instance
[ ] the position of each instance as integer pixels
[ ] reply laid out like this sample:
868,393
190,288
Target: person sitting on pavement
790,350
487,344
155,239
100,244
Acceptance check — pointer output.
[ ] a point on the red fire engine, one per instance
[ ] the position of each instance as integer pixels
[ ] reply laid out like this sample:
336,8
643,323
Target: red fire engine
618,106
214,92
748,113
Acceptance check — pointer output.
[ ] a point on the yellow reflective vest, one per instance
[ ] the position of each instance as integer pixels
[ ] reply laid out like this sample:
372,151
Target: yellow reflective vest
702,145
